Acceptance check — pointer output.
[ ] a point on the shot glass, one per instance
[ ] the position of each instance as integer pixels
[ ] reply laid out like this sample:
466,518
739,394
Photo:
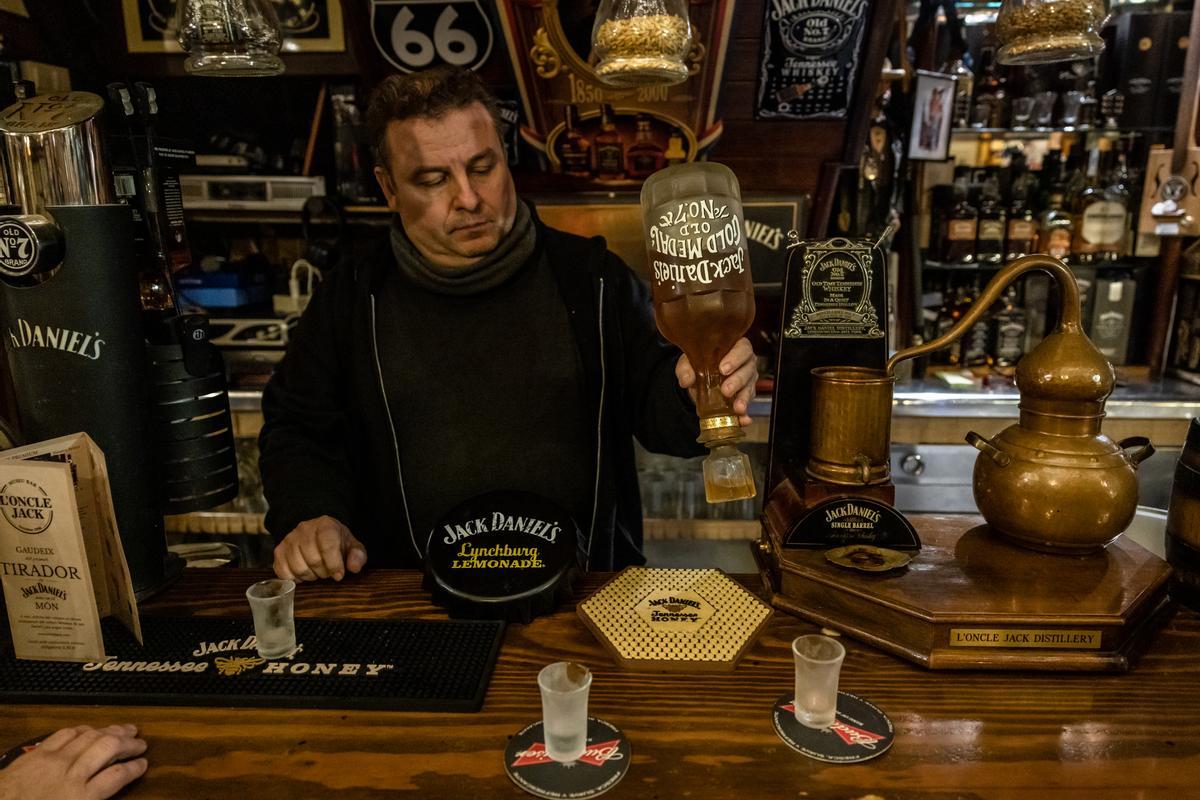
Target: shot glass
818,663
1043,108
1071,104
271,603
565,686
1022,112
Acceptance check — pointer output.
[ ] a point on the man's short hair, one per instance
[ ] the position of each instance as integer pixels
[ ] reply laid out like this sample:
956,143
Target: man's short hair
430,93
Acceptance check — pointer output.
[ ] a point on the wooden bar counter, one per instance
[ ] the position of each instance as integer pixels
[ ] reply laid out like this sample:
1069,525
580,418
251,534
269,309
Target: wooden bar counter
703,735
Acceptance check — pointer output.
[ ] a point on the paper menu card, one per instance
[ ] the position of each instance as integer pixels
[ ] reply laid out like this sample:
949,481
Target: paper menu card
61,562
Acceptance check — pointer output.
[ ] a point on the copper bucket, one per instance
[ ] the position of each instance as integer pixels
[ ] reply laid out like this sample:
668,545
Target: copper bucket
851,426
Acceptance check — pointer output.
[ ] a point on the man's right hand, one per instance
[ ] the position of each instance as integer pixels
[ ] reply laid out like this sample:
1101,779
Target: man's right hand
319,548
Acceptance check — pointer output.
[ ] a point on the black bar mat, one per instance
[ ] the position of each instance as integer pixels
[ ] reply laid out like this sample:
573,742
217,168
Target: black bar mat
397,665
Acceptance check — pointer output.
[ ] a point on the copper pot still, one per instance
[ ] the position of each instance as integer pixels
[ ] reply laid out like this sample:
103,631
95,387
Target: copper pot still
1053,481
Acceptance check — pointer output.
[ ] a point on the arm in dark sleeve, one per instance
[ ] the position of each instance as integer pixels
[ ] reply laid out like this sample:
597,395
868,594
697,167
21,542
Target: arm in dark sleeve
302,451
664,416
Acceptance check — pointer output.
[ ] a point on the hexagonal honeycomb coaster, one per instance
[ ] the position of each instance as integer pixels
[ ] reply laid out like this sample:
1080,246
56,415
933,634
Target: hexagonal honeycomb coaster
674,619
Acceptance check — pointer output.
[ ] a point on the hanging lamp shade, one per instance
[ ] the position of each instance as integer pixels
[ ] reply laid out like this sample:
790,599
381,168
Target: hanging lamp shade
229,38
1046,31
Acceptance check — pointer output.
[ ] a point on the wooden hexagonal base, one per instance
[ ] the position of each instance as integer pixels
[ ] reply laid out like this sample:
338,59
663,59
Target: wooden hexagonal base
674,619
970,600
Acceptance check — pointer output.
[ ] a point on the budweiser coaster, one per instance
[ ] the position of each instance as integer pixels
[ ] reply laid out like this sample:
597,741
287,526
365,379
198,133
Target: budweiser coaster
601,767
13,753
860,733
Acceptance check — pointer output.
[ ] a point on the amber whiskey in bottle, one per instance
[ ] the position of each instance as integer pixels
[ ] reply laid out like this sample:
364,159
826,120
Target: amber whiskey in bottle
575,150
610,150
1022,236
1100,215
1057,228
645,156
675,153
703,300
959,227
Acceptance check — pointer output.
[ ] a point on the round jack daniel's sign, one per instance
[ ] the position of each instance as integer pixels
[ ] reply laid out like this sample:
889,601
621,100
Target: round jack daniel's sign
503,555
844,521
18,248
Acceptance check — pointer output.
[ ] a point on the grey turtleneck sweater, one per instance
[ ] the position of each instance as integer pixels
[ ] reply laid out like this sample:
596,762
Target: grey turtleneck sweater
484,379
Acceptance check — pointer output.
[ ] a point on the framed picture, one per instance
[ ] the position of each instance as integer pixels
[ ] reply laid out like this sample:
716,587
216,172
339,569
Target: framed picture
308,26
933,113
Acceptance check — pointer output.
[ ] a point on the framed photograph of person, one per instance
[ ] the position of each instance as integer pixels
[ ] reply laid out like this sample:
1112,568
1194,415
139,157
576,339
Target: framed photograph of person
933,113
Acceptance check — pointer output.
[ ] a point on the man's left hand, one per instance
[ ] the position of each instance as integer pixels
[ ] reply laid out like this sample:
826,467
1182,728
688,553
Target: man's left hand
740,376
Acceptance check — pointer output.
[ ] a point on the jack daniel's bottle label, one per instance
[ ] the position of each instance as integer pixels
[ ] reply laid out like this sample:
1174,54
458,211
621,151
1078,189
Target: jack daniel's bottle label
836,298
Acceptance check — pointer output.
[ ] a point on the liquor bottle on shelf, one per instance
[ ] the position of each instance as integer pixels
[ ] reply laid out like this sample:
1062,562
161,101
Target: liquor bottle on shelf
1074,175
1101,215
1120,190
1021,235
989,242
933,301
675,153
1021,238
975,347
948,315
645,156
576,150
610,150
1008,329
1111,316
1057,228
960,226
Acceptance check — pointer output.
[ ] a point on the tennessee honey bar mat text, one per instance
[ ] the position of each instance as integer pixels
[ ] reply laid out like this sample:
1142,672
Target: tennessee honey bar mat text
399,665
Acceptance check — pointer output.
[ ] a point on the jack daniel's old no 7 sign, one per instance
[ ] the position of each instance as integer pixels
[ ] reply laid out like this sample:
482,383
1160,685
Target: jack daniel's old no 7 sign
809,57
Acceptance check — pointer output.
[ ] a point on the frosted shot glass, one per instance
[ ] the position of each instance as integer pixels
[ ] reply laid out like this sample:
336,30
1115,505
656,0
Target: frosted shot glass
818,664
271,603
565,686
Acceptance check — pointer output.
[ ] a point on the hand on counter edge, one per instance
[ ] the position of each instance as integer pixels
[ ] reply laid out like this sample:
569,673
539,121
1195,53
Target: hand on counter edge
319,548
80,763
740,376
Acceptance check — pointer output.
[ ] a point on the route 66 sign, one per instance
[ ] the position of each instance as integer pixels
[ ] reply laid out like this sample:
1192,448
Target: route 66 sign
415,34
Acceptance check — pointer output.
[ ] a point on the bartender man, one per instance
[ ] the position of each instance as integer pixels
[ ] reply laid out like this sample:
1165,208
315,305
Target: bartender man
474,349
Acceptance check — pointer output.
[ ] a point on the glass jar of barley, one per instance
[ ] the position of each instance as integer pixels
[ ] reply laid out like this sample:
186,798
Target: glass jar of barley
642,42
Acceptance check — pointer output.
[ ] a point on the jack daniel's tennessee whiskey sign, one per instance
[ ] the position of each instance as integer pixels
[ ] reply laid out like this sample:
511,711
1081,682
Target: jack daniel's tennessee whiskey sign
810,57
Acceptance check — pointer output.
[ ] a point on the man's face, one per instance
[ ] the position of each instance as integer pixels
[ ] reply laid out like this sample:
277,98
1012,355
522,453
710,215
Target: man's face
448,180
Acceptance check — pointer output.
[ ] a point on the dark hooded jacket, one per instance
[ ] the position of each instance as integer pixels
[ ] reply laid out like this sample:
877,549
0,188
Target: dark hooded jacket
327,447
